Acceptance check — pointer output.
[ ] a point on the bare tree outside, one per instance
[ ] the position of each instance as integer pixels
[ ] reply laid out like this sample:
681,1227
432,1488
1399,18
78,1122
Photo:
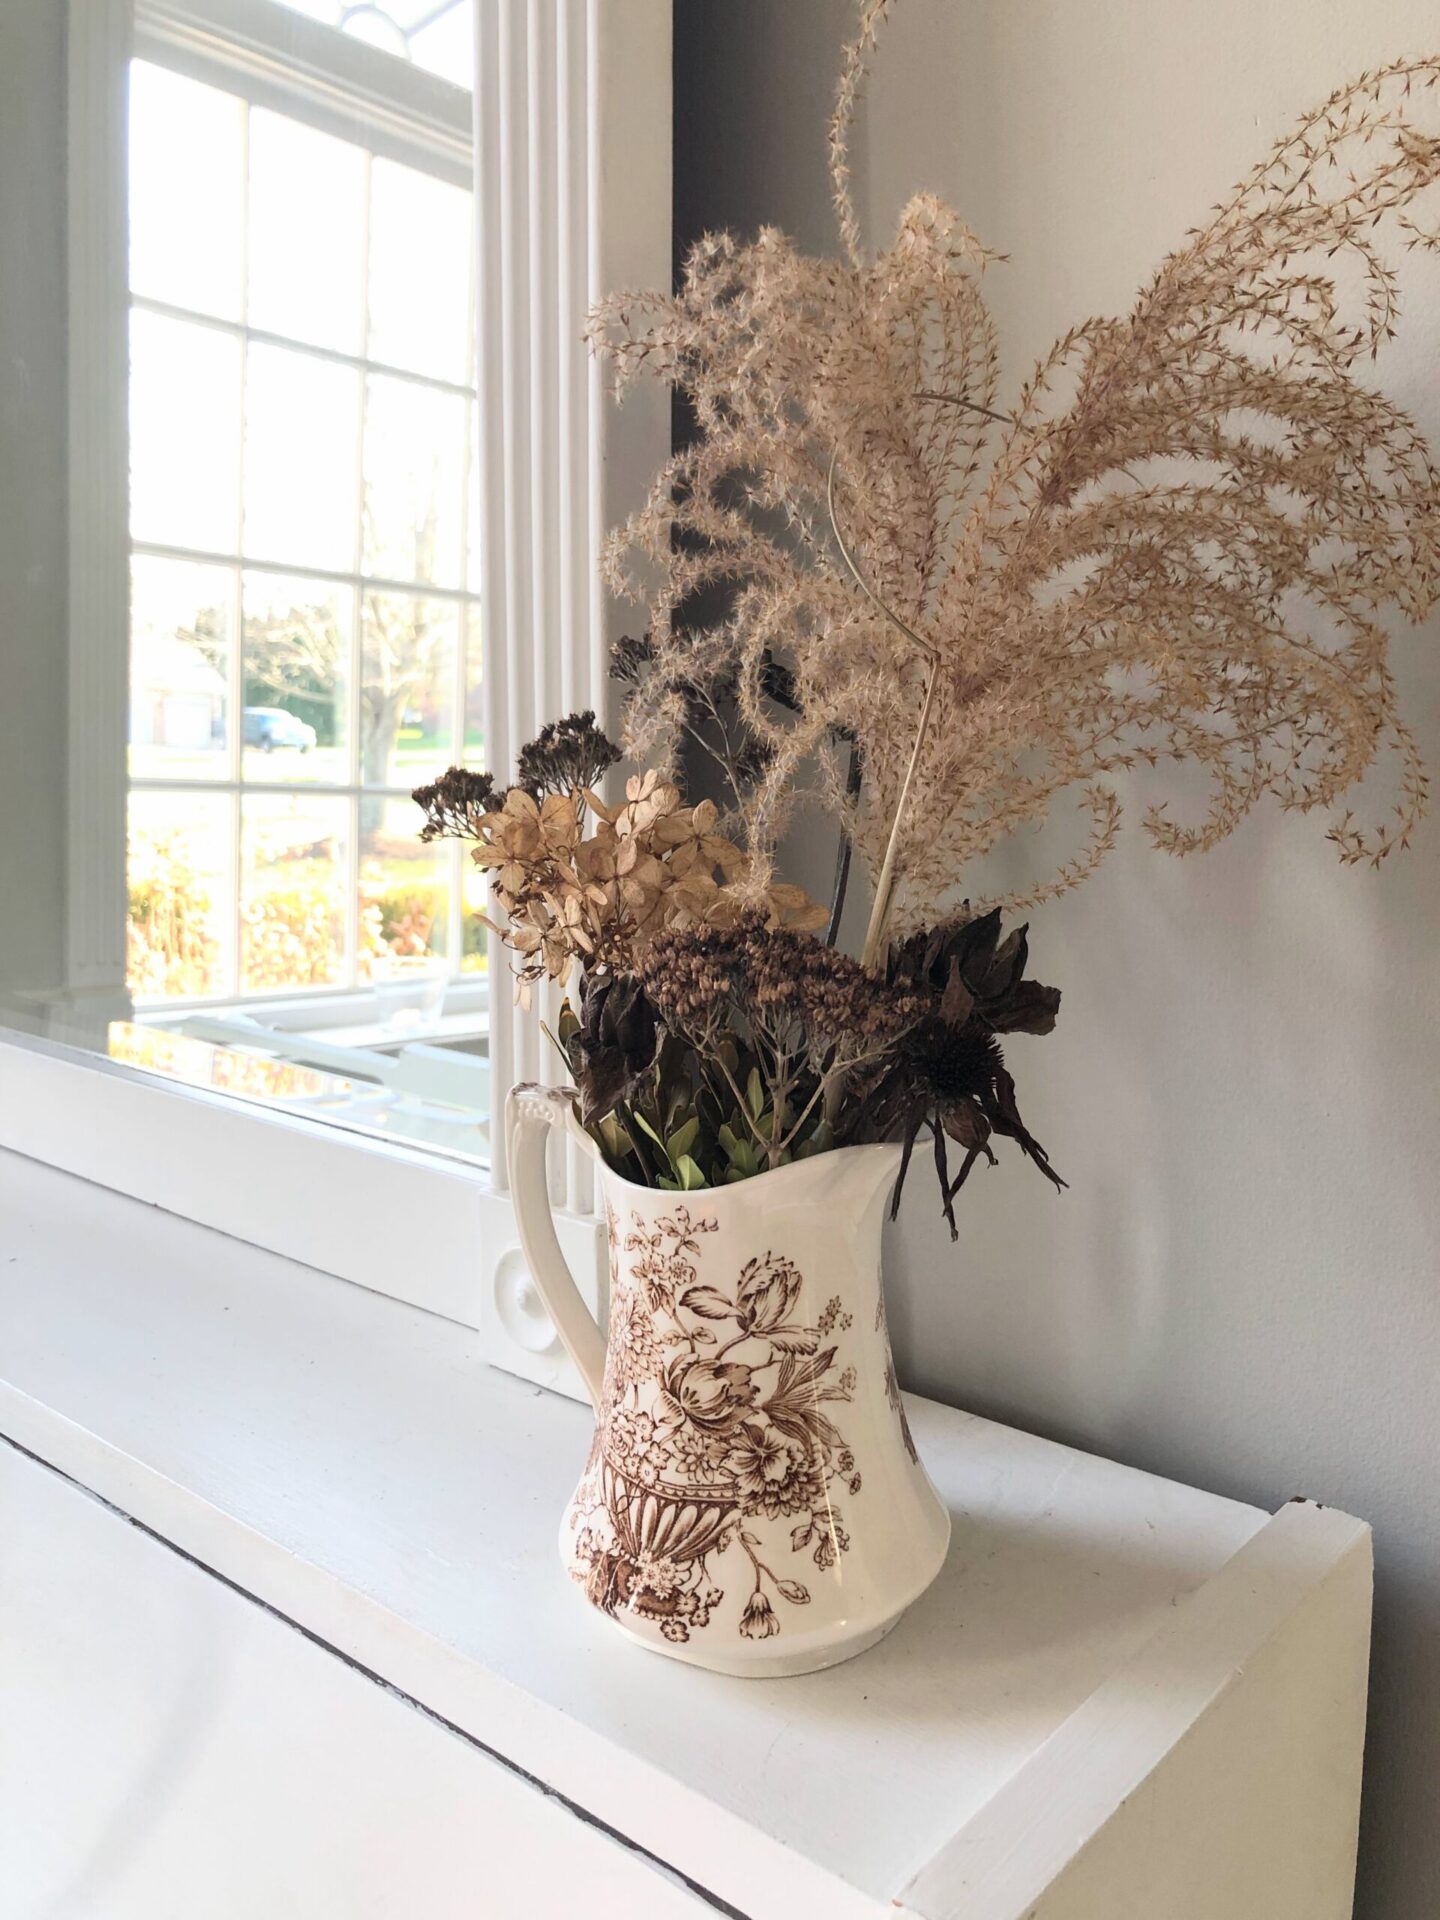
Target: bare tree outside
302,657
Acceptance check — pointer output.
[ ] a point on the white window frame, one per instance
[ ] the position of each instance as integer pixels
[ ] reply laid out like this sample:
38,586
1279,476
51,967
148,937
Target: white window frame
572,197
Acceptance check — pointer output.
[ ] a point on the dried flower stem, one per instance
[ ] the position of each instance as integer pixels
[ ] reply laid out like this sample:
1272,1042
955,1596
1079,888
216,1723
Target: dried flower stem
853,775
875,933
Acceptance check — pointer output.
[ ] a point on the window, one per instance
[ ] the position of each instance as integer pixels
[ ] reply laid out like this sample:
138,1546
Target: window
271,350
305,643
438,35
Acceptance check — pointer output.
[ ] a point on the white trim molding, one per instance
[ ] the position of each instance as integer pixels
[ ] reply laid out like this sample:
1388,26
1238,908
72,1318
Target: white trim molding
396,1220
97,454
572,198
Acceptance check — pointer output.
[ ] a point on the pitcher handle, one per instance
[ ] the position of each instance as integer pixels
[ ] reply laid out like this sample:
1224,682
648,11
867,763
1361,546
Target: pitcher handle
530,1113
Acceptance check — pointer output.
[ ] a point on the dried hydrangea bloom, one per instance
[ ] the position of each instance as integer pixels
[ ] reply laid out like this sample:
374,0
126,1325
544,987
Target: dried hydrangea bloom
1176,543
578,880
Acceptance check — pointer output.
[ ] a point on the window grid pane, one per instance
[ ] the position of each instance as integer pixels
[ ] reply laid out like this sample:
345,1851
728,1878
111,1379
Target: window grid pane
306,876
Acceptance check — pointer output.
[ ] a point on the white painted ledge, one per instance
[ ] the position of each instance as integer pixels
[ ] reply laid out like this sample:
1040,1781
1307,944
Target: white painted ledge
170,1749
351,1461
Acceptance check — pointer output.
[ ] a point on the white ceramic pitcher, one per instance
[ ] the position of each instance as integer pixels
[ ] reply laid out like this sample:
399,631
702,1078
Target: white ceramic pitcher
753,1501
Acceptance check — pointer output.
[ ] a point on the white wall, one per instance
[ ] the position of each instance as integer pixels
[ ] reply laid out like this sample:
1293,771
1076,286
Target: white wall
32,492
1242,1287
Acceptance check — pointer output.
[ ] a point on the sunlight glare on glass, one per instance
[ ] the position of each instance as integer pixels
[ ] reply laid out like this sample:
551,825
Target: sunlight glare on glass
184,433
301,437
307,233
187,199
419,272
407,688
446,46
414,482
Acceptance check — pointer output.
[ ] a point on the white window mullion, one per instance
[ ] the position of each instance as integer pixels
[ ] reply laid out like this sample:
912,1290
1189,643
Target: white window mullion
518,639
350,965
546,472
453,866
294,789
340,576
572,514
354,697
234,962
233,933
264,337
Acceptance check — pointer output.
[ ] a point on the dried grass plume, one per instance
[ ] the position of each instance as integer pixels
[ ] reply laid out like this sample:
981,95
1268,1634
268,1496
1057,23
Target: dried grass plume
1176,543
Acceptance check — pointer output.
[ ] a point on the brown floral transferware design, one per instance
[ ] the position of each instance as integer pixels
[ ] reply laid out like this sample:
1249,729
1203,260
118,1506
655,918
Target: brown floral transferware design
712,1417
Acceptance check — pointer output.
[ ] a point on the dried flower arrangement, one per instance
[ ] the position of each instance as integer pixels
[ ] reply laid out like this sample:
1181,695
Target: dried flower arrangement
940,617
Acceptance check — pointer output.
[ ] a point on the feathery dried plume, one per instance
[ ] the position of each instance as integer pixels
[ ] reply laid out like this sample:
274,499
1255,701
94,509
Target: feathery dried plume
1176,546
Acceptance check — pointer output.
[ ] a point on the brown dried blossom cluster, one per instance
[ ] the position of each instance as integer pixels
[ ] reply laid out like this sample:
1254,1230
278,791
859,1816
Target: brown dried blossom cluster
1177,545
754,1046
698,979
580,881
454,803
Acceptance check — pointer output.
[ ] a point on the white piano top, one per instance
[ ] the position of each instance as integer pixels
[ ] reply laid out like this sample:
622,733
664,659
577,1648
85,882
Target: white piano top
353,1462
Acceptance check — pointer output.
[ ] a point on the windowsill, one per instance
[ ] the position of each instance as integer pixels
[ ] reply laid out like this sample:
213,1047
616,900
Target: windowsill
351,1461
318,1009
422,1080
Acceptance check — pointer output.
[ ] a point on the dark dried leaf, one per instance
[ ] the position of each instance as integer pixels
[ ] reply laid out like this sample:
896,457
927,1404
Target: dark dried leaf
1028,1008
957,1002
615,1043
1004,1117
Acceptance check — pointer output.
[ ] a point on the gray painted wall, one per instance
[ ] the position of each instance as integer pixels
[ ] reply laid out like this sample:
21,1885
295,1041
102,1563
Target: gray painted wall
1240,1289
32,492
